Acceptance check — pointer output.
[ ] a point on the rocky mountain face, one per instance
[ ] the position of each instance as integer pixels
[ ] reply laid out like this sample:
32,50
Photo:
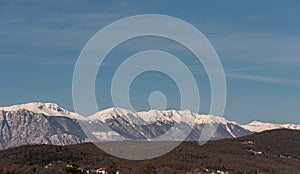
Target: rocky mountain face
47,123
25,127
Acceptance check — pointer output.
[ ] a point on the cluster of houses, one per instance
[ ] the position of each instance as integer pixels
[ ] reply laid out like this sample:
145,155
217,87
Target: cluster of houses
216,171
73,168
99,171
251,144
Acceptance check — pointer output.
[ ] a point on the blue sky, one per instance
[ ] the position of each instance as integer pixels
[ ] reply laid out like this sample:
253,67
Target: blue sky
258,43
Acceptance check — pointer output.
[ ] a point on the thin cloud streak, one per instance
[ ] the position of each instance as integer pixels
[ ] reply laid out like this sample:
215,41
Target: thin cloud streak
263,79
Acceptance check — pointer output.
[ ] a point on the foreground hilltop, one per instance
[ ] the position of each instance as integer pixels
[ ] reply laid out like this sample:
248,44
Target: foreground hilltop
273,151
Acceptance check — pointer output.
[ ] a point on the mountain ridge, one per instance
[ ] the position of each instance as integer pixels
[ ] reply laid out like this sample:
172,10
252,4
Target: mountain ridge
257,126
53,109
62,127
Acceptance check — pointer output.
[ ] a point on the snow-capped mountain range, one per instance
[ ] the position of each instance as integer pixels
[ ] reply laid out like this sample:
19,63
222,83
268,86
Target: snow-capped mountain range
48,123
257,126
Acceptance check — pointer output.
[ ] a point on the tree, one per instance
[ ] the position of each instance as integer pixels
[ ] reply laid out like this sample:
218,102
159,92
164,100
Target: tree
150,169
111,168
34,170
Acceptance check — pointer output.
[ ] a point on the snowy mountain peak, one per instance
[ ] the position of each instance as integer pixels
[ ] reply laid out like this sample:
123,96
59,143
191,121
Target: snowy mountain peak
112,113
257,126
167,115
115,110
256,123
205,119
48,109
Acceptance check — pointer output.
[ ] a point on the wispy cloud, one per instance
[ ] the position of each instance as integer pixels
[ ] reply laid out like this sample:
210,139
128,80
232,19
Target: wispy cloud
264,79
